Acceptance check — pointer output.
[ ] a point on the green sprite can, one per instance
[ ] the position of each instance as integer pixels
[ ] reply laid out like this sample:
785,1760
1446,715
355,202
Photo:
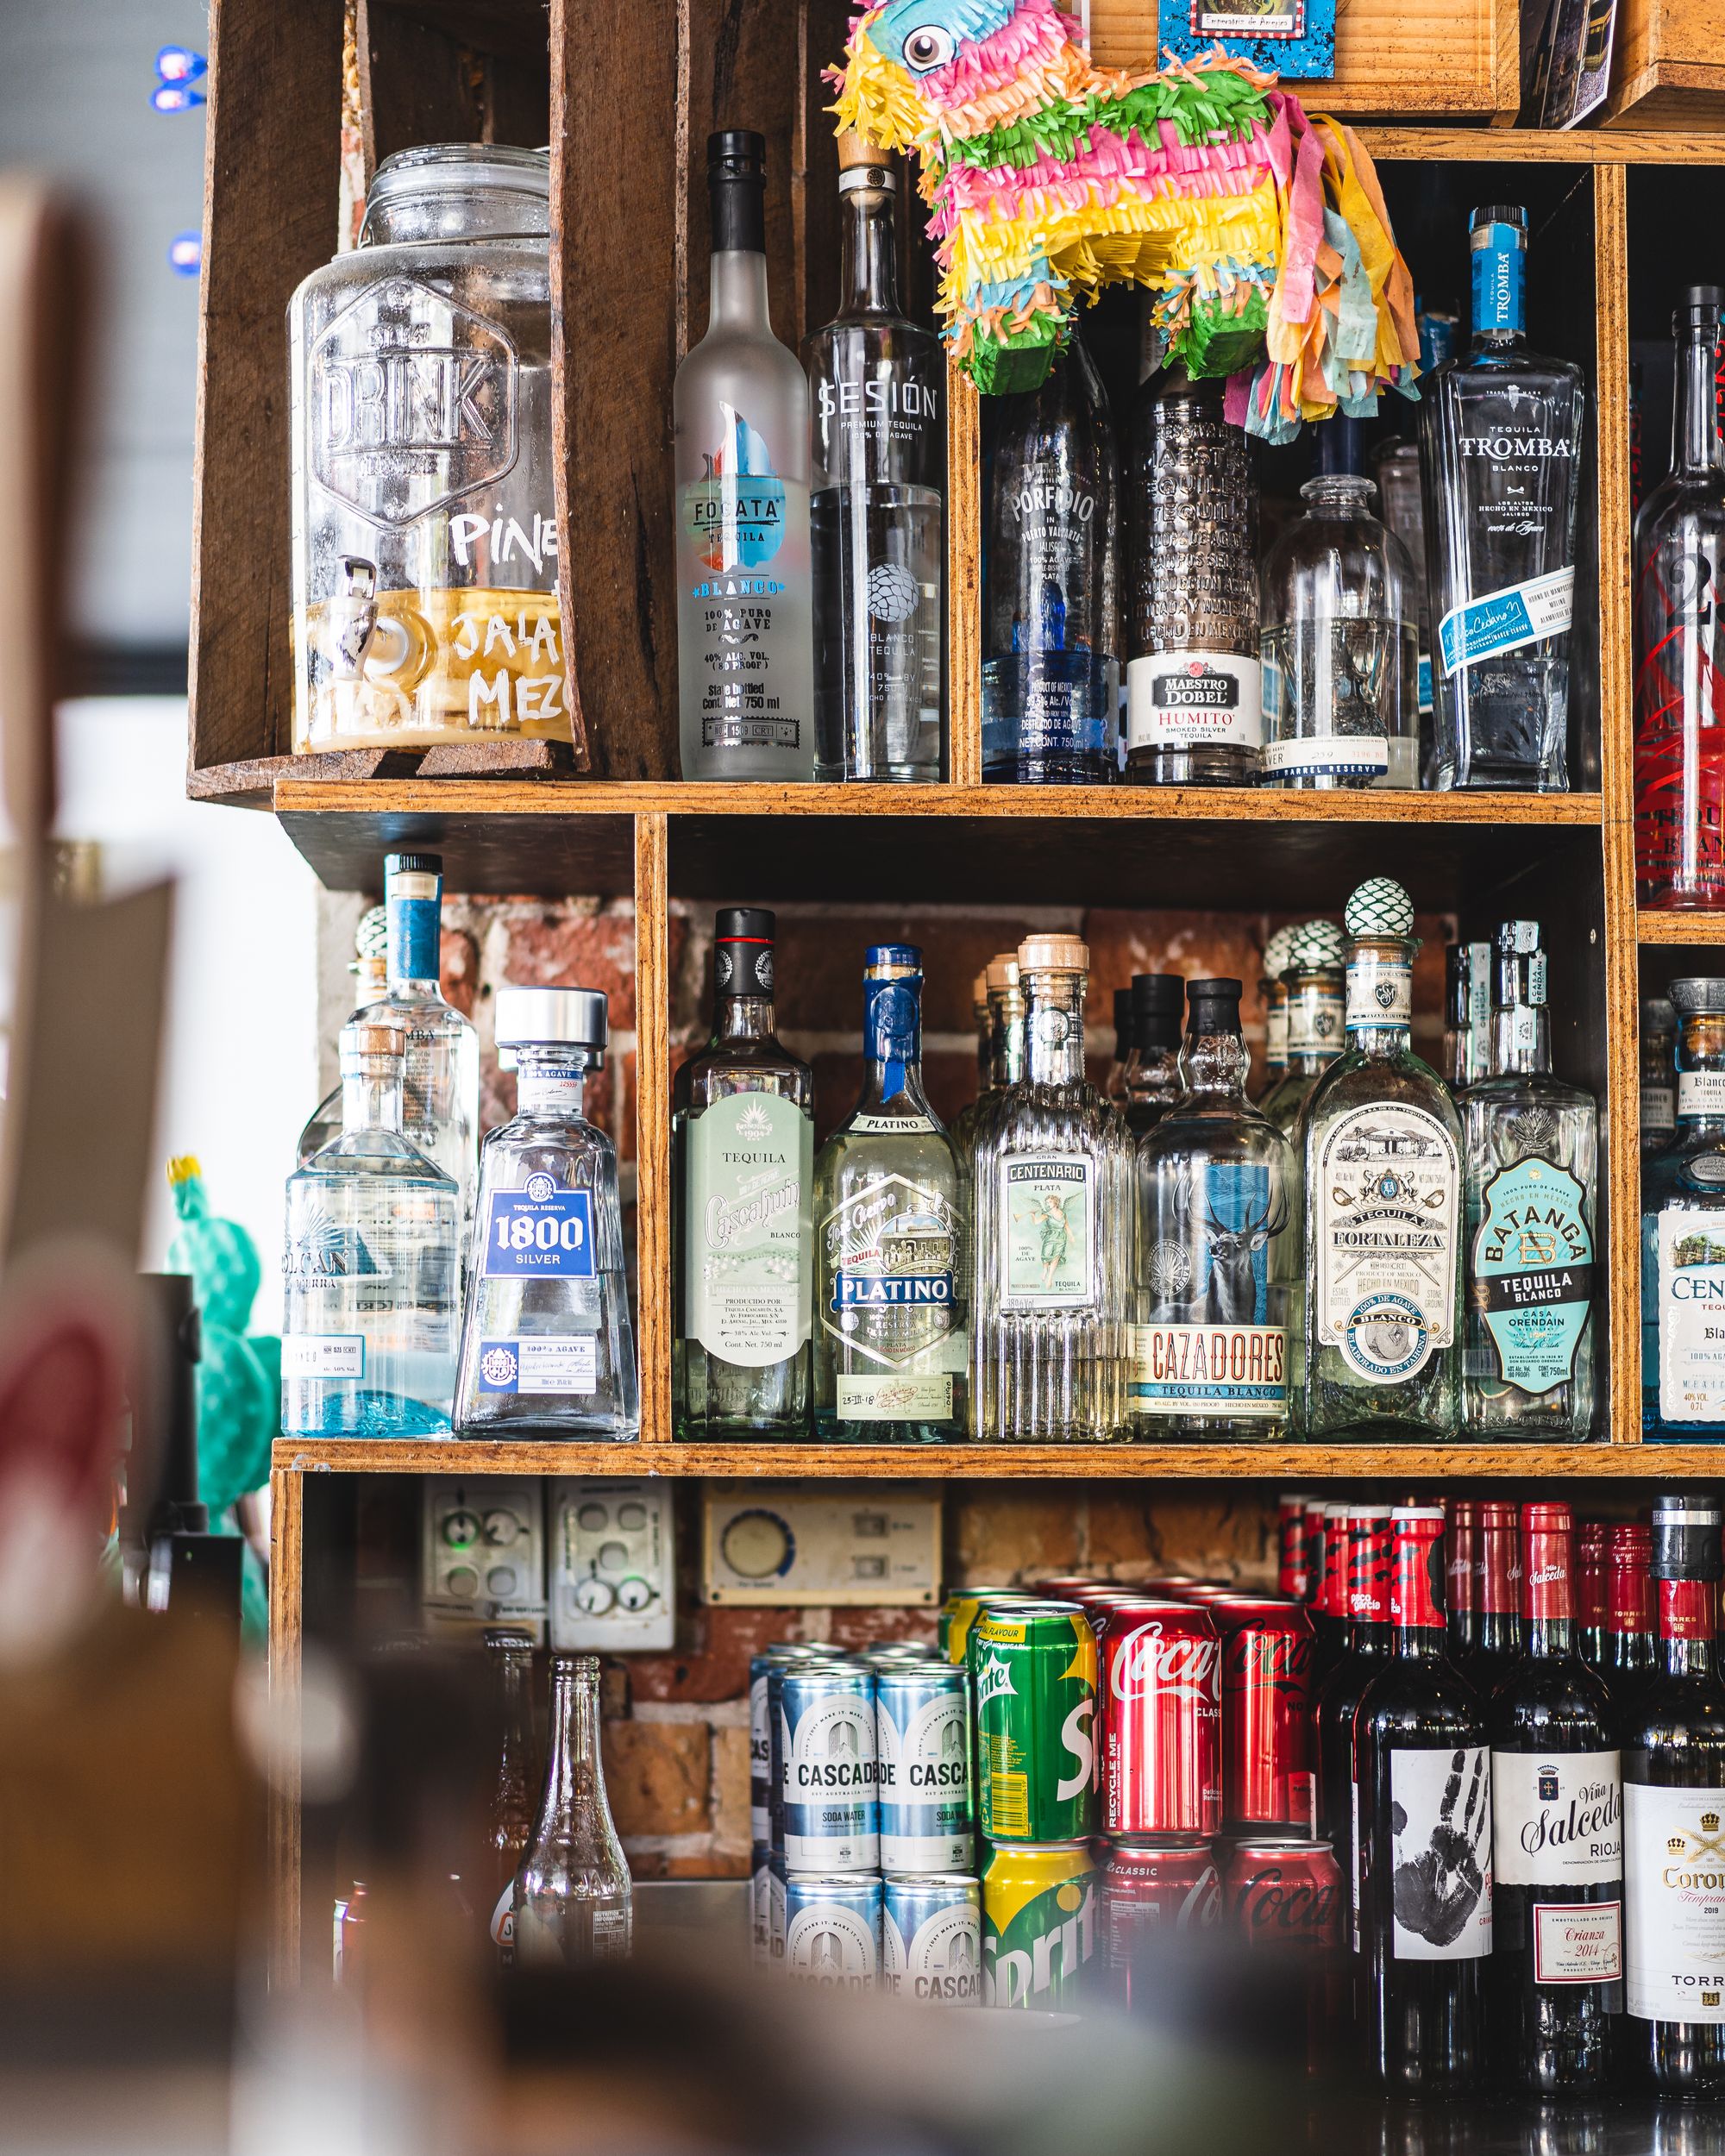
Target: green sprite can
1040,1925
960,1610
1033,1682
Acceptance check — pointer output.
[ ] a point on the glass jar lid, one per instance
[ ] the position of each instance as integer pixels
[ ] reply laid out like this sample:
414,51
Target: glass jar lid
459,191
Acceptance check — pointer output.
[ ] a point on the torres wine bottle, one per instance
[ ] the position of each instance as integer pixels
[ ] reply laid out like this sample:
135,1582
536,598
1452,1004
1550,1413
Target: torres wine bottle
1423,1790
1674,1822
1557,1956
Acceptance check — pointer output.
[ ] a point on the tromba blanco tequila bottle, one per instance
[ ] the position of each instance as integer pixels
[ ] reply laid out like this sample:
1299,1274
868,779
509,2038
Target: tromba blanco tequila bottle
745,627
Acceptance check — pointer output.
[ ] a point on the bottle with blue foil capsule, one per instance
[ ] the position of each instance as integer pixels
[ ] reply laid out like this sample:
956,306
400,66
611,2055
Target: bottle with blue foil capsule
370,1268
1500,452
892,1339
545,1344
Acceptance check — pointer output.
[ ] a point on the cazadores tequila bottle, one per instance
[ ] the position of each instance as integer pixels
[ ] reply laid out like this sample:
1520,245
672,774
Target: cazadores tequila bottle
742,1159
547,1344
891,1341
1053,1227
1531,1144
1683,1235
368,1337
1500,451
745,653
1382,1160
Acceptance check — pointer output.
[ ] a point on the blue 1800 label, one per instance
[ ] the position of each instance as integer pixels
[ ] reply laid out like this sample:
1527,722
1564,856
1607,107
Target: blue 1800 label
1504,621
539,1232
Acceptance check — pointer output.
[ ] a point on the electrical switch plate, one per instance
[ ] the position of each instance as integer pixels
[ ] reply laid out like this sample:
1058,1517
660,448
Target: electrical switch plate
483,1553
839,1543
613,1565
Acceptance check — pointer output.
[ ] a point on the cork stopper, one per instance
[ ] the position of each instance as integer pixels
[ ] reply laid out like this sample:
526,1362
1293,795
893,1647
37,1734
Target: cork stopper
374,1052
1002,973
861,165
1053,954
979,991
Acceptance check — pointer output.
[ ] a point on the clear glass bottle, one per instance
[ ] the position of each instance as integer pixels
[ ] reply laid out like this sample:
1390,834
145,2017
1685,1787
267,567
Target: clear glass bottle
1153,1083
892,1343
746,612
964,1123
371,971
1381,1148
1531,1147
877,386
1053,1228
1397,466
370,1269
1659,1073
1680,691
1273,991
573,1901
425,530
440,1095
1195,713
1339,641
1500,455
510,1827
1217,1247
1683,1235
547,1345
743,1244
1115,1084
1005,1048
1315,978
1051,593
1467,1014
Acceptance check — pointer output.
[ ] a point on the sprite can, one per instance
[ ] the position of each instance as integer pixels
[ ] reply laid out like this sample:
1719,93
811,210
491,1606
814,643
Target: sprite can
961,1609
1034,1682
1040,1925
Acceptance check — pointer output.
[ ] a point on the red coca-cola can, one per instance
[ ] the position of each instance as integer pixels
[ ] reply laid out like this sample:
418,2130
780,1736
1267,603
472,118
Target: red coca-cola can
1285,1894
1153,1887
1162,1719
1068,1590
1269,1672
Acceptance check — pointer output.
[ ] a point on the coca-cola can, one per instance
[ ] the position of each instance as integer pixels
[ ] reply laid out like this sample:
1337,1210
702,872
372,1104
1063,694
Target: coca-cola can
1149,1888
1285,1894
1269,1672
1162,1704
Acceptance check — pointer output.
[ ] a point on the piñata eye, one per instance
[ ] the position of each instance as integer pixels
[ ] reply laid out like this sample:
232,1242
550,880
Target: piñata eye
927,47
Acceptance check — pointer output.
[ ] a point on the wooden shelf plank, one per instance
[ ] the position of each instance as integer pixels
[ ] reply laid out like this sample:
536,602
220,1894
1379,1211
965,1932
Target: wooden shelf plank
1679,928
1532,146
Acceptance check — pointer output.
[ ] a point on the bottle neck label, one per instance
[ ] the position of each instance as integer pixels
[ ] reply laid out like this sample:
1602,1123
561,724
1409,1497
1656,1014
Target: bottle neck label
1371,1559
1686,1609
1416,1579
1547,1591
1380,991
1278,1037
549,1092
743,968
414,913
1629,1605
1558,1821
1499,262
1659,1110
892,1030
1315,1018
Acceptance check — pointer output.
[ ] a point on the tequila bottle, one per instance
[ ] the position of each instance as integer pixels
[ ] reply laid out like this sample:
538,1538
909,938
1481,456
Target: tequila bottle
1273,989
876,382
1683,1235
371,971
574,1900
743,1161
1053,1228
1381,1147
892,1345
745,634
372,1233
1467,1014
1217,1247
1114,1085
1006,1054
1500,454
1313,980
1659,1073
547,1346
964,1123
1531,1144
1153,1083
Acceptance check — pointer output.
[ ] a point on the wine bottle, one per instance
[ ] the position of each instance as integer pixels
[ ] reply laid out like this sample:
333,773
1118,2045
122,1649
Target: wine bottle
1673,2036
1423,1792
1369,1550
1629,1648
1590,1591
1461,1577
1496,1647
1329,1610
1557,1798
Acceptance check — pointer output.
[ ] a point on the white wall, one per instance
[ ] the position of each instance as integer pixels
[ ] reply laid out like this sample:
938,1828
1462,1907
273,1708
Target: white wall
240,1064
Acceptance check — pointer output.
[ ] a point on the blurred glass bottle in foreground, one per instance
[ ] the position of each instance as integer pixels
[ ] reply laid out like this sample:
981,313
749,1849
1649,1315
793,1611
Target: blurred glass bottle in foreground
546,1343
1680,691
572,1902
370,970
368,1337
512,1799
876,384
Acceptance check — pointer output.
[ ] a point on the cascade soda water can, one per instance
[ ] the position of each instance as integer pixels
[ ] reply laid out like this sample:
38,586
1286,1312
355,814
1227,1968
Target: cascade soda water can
922,1722
1269,1671
1152,1887
779,1654
1040,1925
831,1789
931,1938
832,1930
961,1610
1162,1709
1033,1680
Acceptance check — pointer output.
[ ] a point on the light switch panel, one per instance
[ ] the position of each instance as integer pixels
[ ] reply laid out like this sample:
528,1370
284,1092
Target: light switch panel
483,1549
613,1565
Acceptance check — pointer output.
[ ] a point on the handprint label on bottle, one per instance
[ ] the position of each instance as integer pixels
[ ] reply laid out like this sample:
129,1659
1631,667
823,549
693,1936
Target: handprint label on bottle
1440,1825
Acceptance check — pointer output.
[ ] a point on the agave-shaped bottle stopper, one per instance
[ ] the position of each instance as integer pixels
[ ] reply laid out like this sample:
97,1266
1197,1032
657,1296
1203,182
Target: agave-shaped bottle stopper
1379,907
1315,945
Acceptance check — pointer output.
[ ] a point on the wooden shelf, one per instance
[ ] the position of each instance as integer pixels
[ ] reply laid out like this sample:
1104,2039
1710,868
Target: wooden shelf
1652,927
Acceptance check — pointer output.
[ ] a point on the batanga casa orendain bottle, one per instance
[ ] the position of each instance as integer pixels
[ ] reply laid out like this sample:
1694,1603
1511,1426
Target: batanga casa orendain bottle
573,1902
745,632
891,1344
546,1342
743,1161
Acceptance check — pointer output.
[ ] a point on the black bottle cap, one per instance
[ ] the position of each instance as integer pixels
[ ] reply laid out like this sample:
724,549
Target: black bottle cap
1686,1543
1158,1003
1509,213
1212,1006
1123,1022
1699,308
1339,448
737,178
742,951
413,864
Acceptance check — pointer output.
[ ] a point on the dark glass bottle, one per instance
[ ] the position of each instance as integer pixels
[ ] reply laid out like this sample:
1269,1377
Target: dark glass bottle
1370,1550
1051,596
1496,1647
1114,1085
1673,2036
1424,1797
742,1243
1557,1946
1629,1649
1330,1610
876,391
1152,1074
1590,1591
1461,1577
514,1790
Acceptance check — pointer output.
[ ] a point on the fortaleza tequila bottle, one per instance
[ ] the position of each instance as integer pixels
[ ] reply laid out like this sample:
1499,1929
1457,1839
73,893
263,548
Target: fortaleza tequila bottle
1053,1228
1683,1235
1381,1146
743,1170
891,1342
1531,1145
546,1343
1500,452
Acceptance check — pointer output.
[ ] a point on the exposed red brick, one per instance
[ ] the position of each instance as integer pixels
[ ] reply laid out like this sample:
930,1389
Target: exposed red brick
712,1653
1006,1532
658,1775
857,1627
458,964
837,1084
950,1082
550,948
819,963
